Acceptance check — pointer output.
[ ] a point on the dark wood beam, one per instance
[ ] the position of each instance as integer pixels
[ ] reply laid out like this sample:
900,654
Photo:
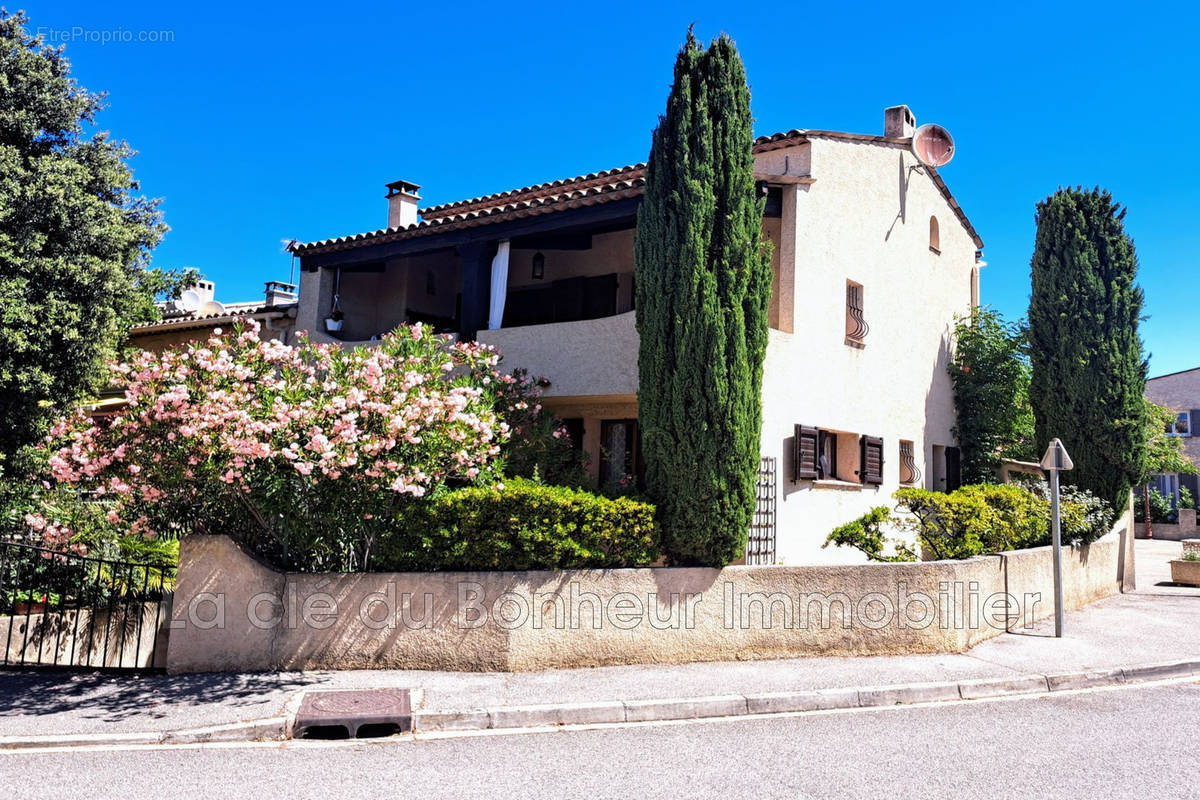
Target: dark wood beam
552,241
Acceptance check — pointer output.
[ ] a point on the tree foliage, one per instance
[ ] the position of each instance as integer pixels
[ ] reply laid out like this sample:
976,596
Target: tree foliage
1089,374
990,373
1164,454
703,282
74,239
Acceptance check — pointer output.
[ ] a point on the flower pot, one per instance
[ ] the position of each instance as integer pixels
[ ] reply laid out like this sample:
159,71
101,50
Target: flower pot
333,325
23,608
1186,572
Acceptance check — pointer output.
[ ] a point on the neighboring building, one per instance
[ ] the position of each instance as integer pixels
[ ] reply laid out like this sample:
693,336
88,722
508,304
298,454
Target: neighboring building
195,320
873,259
1180,392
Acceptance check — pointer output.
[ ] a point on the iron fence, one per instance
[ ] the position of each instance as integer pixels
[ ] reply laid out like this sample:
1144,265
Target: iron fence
68,610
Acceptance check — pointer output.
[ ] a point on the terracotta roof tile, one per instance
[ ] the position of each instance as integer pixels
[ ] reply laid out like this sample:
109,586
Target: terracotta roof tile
583,190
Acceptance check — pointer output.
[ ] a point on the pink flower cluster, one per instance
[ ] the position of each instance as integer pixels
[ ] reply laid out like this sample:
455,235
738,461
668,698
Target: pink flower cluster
240,417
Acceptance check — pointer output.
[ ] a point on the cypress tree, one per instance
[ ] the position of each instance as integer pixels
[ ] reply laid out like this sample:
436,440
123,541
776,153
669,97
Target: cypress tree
703,280
1089,374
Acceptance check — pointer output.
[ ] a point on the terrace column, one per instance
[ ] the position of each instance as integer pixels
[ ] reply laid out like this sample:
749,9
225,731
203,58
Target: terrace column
475,259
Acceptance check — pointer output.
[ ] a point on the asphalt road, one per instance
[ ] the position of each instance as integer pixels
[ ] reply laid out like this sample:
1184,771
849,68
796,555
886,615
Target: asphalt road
1136,743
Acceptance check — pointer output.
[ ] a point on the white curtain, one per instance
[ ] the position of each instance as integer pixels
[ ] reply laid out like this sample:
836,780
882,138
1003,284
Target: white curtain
499,286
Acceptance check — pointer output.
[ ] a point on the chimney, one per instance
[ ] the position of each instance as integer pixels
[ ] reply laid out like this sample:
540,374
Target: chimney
402,204
280,293
898,122
206,291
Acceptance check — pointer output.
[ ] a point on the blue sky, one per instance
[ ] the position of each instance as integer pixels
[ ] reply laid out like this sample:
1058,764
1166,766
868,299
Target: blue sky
257,125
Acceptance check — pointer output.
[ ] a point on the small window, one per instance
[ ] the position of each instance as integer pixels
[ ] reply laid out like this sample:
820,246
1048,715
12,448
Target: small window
910,474
1183,425
827,455
856,322
935,238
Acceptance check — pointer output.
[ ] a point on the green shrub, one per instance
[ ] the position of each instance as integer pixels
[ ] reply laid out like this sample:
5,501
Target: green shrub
1085,517
986,518
1160,508
865,534
976,519
518,526
1185,498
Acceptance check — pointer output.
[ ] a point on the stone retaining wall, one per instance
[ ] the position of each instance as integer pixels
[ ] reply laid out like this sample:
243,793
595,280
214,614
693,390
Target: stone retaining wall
233,613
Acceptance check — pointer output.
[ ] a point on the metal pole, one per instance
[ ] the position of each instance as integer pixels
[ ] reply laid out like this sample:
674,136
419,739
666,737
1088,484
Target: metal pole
1055,523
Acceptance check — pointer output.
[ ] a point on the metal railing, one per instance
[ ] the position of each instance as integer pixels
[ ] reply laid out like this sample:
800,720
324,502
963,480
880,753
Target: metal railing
67,610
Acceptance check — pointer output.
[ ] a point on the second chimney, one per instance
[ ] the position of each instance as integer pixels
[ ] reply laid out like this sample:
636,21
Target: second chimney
402,204
898,122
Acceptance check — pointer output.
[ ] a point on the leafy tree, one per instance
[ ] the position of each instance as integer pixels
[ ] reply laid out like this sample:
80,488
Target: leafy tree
1164,455
1089,375
703,285
74,239
990,373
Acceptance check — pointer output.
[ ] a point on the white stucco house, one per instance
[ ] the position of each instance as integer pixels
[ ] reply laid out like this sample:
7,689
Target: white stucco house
873,259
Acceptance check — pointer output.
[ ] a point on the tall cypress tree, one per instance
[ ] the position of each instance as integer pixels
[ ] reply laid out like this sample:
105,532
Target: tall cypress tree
1089,374
703,279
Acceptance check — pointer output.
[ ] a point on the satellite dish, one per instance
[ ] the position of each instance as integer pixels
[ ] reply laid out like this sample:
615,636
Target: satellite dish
933,145
189,300
212,308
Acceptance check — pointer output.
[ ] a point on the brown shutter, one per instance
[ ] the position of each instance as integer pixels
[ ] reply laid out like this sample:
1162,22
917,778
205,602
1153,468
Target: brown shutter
871,470
804,454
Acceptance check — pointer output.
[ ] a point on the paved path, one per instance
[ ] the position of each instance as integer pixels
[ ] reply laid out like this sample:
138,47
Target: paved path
1156,623
1107,744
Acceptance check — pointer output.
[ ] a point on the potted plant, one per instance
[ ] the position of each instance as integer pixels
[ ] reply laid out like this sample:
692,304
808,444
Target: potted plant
1186,570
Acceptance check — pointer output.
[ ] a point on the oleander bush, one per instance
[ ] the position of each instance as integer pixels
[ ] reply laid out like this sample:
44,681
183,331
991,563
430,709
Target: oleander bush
520,525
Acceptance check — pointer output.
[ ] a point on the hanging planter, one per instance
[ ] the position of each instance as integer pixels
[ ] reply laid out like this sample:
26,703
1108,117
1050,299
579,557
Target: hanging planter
333,322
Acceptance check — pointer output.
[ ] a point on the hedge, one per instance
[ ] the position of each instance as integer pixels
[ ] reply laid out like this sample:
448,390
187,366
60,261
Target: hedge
520,525
973,520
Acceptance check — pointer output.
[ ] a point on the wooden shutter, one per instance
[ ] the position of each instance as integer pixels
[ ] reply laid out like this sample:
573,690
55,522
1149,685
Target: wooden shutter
871,470
804,454
1193,421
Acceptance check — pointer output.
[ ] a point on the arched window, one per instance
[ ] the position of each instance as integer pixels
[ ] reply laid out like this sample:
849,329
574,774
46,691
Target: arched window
935,239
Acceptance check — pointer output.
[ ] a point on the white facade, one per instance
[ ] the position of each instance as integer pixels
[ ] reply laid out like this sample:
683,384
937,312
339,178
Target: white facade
850,209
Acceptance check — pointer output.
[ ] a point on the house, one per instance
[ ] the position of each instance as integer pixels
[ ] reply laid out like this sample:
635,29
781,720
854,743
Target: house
1180,392
872,259
195,317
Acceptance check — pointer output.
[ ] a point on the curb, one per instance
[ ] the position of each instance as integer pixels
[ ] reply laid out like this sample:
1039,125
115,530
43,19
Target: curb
253,731
531,717
715,707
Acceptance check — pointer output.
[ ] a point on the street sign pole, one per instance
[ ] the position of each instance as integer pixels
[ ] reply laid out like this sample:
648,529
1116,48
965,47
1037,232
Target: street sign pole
1054,461
1057,523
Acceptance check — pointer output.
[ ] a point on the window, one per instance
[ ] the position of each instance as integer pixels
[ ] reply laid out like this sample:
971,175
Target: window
620,457
909,472
935,238
856,323
827,455
1183,425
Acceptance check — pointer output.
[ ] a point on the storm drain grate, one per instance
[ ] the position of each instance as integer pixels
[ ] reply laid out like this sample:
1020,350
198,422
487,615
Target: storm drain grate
353,714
